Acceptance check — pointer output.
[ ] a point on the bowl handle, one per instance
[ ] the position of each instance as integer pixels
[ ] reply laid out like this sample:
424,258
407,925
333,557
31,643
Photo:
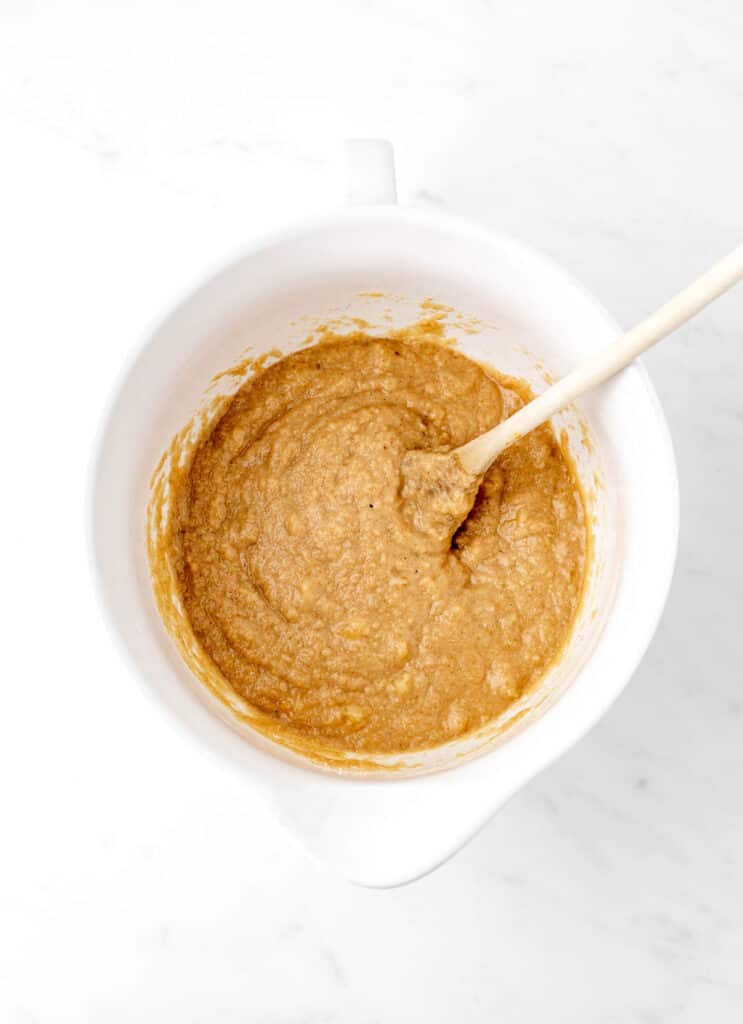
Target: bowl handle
370,172
384,833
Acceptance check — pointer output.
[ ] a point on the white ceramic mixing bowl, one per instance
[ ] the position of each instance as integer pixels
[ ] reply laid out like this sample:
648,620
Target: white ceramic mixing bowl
384,830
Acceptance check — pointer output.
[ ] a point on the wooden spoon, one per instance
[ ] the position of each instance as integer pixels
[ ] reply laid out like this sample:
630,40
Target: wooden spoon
478,454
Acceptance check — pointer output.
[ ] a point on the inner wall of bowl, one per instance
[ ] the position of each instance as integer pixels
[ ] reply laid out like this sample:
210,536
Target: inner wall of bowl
494,320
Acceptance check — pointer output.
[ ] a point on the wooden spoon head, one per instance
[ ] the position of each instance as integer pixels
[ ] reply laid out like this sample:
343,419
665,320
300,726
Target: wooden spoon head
437,492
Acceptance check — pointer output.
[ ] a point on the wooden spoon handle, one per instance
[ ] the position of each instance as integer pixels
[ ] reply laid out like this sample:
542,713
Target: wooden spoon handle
481,451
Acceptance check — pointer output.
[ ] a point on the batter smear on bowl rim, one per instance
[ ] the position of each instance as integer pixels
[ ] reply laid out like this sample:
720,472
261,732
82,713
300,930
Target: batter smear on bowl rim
356,614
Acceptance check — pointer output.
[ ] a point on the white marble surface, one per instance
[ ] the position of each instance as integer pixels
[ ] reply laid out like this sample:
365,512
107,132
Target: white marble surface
143,141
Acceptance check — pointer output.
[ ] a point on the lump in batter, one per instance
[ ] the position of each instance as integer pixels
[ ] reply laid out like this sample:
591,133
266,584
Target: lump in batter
358,617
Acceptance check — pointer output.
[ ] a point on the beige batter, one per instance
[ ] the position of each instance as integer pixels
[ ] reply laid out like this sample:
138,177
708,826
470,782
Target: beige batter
319,584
